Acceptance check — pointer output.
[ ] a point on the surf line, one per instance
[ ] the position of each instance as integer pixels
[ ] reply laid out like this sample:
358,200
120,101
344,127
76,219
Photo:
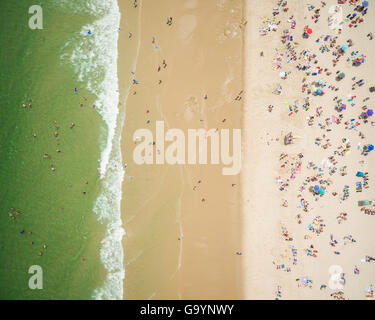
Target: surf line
175,153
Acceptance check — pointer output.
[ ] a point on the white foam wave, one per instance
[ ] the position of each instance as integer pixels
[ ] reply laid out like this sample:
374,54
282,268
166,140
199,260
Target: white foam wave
94,58
100,62
91,7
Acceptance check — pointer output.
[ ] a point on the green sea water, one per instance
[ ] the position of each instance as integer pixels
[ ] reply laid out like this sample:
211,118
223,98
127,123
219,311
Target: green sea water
55,206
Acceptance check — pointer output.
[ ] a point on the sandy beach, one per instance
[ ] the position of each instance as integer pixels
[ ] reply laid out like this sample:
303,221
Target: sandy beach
182,222
288,255
295,77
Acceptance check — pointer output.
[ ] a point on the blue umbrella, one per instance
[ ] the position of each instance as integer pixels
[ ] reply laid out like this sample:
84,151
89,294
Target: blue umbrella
321,191
370,147
370,112
360,174
344,47
365,4
316,188
318,91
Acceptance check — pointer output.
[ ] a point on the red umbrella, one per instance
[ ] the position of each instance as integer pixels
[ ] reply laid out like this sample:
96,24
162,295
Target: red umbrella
309,30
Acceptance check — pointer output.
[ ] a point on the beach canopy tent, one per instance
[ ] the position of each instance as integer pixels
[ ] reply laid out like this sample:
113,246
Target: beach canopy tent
365,4
360,174
370,112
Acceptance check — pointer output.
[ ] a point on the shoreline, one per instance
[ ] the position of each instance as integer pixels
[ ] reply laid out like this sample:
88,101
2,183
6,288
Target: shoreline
127,63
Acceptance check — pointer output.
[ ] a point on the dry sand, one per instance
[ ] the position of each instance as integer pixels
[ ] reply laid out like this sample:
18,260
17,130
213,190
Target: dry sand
262,210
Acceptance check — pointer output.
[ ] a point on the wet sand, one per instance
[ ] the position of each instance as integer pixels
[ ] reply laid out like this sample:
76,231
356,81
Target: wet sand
176,245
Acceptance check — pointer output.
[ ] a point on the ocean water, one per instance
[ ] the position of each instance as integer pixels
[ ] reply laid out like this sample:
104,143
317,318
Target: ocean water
67,72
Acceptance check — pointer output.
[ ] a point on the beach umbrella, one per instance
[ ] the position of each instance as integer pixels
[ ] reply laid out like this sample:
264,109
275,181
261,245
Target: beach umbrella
365,4
342,75
309,30
360,174
318,91
321,191
370,147
316,188
344,47
369,112
362,58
